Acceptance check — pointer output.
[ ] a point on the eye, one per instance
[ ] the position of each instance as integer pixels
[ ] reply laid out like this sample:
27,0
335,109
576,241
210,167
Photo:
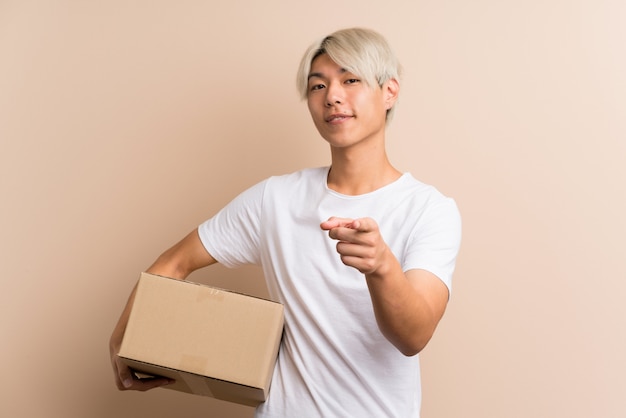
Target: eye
314,87
352,81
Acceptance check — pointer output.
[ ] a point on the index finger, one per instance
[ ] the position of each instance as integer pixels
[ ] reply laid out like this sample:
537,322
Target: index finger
335,222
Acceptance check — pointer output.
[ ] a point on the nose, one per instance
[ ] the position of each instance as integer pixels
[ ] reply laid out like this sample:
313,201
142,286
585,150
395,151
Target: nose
334,95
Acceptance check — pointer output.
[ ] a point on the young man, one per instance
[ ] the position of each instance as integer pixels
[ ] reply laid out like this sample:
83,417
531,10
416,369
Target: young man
360,254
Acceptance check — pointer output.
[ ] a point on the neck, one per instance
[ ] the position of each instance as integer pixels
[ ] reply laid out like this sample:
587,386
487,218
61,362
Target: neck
354,173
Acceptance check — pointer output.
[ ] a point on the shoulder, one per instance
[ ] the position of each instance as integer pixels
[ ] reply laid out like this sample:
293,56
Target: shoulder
305,178
423,193
428,206
301,175
286,181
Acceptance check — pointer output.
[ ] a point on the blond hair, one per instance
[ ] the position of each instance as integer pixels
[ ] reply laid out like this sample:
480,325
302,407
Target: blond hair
363,52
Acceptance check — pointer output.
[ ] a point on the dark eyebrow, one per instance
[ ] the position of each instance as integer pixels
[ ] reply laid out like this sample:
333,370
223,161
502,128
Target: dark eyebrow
320,75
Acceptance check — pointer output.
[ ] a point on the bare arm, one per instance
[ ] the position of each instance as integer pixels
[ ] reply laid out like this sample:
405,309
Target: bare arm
178,262
408,306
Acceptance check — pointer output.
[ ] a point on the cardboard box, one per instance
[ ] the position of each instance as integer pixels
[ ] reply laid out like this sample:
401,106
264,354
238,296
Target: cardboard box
211,341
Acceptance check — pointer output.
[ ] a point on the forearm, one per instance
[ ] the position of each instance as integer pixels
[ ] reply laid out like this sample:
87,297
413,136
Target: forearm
182,259
177,262
407,306
120,327
407,309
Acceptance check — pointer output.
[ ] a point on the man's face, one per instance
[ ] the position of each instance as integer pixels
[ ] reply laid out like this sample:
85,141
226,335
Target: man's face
345,109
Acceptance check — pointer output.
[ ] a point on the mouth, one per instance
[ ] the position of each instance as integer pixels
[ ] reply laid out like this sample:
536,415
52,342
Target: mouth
337,118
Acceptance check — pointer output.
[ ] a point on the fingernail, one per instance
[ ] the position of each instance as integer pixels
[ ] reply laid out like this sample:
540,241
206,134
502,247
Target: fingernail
128,382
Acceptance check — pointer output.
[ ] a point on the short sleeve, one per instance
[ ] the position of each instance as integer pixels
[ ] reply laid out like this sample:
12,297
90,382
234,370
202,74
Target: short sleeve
435,241
232,235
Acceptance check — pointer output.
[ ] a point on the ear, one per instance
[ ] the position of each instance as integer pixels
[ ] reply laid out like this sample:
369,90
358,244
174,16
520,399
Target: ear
391,89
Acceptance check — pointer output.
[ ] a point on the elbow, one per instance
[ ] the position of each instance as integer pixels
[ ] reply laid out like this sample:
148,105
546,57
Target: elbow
409,343
411,350
411,347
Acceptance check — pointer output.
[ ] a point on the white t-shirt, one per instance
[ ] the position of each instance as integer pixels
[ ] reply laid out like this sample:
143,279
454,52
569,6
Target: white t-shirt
333,360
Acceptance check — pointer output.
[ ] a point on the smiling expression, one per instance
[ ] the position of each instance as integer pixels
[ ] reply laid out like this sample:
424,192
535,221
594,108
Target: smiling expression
345,109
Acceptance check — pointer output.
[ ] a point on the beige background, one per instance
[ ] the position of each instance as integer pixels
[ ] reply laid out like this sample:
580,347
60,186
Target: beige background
124,124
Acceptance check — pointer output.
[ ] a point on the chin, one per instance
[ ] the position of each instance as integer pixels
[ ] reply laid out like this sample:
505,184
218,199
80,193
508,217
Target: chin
338,143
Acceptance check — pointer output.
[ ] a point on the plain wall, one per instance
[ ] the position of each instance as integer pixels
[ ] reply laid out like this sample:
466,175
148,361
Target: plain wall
124,124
